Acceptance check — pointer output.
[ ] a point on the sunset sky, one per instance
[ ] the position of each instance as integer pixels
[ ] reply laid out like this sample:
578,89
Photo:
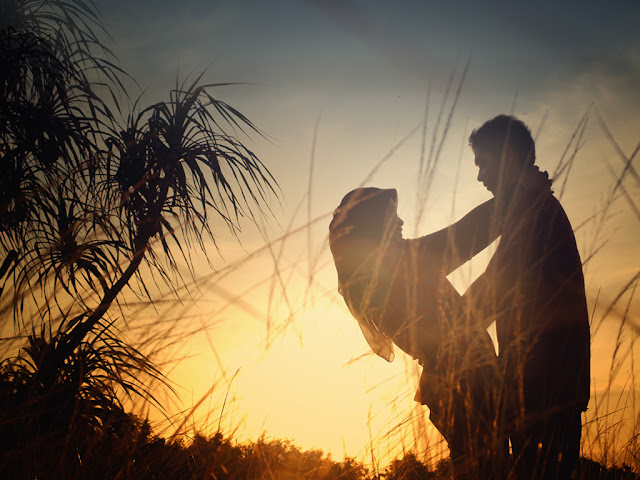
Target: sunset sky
340,89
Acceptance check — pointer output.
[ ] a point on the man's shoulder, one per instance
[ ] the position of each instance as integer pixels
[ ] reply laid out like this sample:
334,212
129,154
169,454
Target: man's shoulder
553,202
546,208
537,219
555,211
553,228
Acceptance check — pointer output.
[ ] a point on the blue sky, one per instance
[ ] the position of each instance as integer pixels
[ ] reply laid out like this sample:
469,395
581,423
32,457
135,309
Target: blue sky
535,43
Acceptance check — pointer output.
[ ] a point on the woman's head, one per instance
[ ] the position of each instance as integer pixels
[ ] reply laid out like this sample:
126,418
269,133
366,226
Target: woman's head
366,212
365,219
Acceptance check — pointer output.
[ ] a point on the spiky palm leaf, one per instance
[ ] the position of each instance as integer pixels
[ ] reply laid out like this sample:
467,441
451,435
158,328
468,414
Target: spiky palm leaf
50,116
72,248
59,410
175,161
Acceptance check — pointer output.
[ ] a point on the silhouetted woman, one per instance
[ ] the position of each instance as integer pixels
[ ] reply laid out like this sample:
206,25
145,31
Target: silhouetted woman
398,292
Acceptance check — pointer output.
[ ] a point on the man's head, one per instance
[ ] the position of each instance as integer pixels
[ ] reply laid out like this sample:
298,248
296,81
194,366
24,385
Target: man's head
503,149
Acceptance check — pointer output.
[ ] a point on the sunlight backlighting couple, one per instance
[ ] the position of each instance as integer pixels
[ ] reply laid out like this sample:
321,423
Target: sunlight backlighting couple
533,392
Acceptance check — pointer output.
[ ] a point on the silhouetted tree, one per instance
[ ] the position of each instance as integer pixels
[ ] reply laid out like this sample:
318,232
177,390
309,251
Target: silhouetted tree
409,468
348,469
86,200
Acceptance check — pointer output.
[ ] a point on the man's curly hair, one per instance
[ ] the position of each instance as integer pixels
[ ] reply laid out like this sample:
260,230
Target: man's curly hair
502,133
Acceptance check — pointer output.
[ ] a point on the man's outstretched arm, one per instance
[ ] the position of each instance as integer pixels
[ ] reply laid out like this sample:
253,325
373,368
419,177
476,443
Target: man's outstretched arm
449,248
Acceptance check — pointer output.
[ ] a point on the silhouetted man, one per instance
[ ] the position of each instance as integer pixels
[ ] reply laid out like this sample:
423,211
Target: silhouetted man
534,289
